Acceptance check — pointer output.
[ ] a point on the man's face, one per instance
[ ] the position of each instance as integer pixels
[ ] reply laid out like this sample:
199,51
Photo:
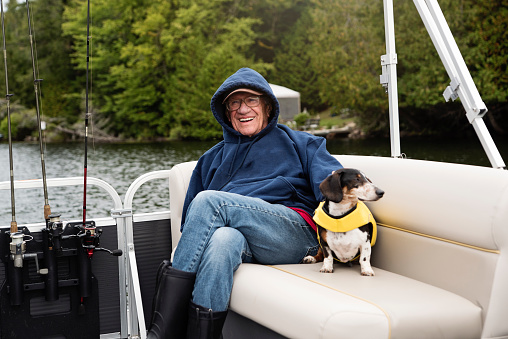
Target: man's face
247,120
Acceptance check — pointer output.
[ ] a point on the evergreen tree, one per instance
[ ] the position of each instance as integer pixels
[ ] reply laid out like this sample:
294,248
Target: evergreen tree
293,66
347,42
51,56
207,42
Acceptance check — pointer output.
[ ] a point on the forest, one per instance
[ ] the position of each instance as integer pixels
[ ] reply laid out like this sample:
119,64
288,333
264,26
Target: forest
154,65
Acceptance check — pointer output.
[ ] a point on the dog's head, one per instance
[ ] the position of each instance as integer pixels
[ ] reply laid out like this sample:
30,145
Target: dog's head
351,184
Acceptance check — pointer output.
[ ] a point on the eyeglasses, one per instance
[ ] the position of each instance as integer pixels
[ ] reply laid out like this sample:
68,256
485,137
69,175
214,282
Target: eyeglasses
233,105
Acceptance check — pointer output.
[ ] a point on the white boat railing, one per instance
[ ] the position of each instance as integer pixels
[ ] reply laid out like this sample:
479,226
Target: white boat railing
137,326
60,182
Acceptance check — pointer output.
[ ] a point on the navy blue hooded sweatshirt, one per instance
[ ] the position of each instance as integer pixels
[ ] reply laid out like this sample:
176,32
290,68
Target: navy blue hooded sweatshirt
278,165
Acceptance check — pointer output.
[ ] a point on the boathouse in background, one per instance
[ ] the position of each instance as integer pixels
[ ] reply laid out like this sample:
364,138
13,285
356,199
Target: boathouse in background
289,101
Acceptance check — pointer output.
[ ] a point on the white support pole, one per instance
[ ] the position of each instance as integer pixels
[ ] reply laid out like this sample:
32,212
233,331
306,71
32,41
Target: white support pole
135,305
122,276
131,305
488,144
461,85
137,326
388,77
138,323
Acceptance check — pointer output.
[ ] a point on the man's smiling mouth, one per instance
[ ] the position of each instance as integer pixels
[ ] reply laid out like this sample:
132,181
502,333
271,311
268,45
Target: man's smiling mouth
246,119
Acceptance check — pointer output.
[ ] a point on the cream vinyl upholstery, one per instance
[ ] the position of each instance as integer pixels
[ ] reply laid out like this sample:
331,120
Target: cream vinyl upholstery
441,261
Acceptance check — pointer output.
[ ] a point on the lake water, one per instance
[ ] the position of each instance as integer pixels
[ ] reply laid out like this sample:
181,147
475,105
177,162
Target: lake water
121,164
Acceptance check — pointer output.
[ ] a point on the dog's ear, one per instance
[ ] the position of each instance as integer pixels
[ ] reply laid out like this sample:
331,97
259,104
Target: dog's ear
331,187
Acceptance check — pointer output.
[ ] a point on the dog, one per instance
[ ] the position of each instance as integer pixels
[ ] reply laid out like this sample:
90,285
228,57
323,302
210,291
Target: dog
353,229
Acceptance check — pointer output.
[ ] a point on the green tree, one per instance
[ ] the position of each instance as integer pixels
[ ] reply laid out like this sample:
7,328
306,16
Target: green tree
23,123
489,40
111,25
159,62
347,43
51,58
293,67
277,19
207,42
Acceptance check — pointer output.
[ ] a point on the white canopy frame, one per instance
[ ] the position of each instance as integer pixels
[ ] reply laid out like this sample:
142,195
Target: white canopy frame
461,85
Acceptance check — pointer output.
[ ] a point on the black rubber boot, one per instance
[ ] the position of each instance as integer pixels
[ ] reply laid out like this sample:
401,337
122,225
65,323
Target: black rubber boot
205,323
172,295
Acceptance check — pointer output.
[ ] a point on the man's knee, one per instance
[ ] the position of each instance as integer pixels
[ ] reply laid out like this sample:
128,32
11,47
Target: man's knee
206,199
227,246
227,239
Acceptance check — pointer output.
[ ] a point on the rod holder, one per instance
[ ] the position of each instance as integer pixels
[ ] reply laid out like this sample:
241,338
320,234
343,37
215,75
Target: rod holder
85,272
51,265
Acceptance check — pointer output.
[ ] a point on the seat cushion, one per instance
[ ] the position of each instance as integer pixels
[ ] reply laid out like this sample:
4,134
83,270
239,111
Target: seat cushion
298,301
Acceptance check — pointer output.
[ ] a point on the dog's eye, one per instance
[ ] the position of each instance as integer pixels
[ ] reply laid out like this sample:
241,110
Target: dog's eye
357,183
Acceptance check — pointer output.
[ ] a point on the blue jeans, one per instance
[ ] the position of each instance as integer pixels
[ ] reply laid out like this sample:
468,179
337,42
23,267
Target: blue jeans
222,230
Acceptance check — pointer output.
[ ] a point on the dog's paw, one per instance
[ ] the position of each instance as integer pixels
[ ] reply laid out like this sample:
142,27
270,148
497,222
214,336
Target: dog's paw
368,272
309,260
326,268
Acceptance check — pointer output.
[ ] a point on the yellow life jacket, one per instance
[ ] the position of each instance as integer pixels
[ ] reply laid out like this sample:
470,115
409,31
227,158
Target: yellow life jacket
361,216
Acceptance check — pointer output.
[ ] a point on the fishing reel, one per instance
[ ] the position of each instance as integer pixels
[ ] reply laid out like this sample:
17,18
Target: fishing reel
18,253
17,248
54,227
89,236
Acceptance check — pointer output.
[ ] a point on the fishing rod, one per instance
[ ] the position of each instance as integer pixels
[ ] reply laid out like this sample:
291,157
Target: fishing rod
14,224
87,113
17,245
90,239
53,230
88,234
47,208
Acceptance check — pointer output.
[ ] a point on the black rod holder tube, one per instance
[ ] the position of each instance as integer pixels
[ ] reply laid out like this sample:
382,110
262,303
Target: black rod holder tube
50,262
15,284
85,273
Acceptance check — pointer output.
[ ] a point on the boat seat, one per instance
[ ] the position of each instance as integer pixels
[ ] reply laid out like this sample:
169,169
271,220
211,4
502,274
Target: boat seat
440,261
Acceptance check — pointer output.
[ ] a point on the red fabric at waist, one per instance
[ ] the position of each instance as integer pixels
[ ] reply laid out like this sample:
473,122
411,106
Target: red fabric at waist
306,216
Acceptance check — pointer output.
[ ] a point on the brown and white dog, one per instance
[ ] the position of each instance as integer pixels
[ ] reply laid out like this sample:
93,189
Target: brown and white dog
344,190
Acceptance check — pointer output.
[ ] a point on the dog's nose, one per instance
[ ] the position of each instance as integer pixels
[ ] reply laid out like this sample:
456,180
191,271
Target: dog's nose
380,192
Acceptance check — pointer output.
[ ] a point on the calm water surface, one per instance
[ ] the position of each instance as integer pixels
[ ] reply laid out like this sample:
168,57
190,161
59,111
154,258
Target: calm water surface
121,164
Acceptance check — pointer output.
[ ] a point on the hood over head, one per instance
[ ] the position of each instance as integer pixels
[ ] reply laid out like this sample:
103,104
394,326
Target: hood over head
244,78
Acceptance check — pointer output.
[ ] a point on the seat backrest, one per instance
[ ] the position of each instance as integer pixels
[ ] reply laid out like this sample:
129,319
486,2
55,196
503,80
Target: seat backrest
179,178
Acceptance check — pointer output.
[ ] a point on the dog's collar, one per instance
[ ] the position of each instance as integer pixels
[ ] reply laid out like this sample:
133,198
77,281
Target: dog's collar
359,217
